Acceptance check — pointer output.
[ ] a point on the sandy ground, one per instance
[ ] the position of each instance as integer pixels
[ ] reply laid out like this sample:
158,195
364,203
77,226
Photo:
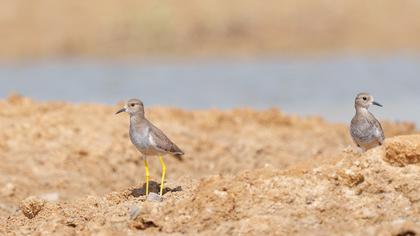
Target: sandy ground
70,169
141,28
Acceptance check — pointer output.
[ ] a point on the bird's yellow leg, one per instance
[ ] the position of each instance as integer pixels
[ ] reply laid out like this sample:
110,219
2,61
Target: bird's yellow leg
163,175
146,167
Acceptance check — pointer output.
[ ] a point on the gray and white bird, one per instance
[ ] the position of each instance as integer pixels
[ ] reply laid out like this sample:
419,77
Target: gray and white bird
148,139
365,129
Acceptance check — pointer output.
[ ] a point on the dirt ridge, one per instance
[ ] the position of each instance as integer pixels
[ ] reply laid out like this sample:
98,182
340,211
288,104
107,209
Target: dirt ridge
246,173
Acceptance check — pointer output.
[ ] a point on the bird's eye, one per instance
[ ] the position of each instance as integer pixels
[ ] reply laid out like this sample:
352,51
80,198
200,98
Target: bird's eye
365,98
132,105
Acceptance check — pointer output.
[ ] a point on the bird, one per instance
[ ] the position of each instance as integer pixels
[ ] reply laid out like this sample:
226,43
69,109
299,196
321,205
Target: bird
365,129
148,139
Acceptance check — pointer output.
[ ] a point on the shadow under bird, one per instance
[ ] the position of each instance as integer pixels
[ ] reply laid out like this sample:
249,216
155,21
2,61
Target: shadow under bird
365,129
148,139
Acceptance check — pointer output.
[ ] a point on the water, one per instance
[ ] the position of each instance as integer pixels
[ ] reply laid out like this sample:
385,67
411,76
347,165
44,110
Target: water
317,86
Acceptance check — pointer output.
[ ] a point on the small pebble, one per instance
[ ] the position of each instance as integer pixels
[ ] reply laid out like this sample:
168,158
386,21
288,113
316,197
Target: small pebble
8,190
154,197
50,197
31,206
221,194
134,212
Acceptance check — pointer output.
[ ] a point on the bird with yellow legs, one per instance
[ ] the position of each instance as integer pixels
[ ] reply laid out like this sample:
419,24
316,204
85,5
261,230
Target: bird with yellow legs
148,139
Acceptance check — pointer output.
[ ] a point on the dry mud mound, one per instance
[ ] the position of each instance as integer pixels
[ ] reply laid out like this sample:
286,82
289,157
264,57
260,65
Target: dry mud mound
65,172
360,194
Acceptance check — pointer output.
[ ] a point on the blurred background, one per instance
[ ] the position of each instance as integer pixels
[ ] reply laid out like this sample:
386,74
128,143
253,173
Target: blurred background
308,57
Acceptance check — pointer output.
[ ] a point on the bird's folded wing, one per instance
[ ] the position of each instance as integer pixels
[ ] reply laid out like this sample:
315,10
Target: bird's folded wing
163,142
378,127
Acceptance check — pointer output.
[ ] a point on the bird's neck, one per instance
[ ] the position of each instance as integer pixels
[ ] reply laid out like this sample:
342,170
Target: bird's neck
137,118
361,110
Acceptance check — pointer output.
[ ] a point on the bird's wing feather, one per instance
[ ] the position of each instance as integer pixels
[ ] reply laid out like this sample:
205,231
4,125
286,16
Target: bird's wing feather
378,126
162,142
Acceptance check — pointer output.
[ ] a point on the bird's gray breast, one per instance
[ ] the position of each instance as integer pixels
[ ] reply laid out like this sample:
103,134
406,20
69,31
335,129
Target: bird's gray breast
364,131
140,137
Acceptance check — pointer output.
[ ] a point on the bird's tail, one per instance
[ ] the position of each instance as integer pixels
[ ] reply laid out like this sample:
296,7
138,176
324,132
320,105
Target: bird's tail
179,156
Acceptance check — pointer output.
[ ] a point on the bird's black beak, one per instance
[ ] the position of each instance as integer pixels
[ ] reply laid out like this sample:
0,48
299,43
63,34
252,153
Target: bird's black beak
121,110
377,104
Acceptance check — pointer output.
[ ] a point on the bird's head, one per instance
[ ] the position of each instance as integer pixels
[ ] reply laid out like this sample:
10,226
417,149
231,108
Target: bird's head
133,107
365,100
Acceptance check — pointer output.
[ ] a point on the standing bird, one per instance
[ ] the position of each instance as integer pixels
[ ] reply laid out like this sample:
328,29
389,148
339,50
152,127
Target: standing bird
148,139
365,129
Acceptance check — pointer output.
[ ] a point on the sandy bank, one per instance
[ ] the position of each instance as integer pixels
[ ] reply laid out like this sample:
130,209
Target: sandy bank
244,172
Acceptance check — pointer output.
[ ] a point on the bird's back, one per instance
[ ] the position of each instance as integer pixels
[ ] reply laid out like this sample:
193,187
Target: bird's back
162,142
150,140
